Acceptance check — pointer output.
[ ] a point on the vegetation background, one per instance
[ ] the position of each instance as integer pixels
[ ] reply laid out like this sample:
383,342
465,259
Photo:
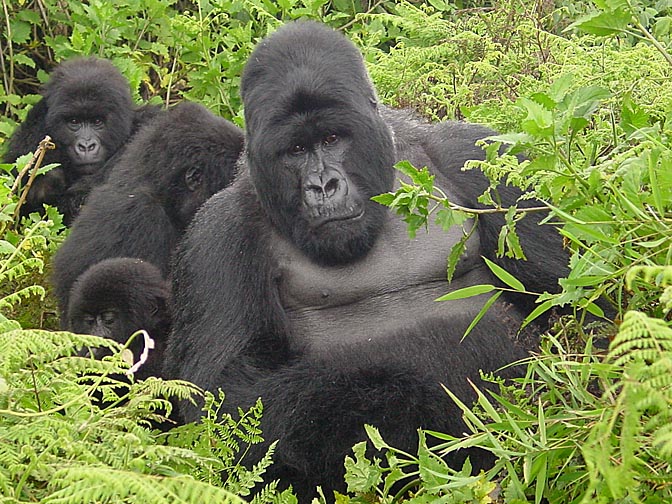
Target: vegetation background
583,88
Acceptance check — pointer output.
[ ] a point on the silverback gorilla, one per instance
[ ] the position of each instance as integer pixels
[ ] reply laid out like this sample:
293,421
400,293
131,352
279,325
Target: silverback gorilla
294,286
164,175
117,297
87,110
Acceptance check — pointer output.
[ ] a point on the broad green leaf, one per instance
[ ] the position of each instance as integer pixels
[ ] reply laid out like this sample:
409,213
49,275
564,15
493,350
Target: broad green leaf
560,87
633,117
603,24
447,218
539,120
384,199
361,475
545,100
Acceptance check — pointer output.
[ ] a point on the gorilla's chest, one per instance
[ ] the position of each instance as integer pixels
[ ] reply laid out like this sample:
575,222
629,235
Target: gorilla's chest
390,288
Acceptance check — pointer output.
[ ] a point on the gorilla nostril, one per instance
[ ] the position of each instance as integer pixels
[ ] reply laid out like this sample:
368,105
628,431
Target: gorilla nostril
331,187
87,147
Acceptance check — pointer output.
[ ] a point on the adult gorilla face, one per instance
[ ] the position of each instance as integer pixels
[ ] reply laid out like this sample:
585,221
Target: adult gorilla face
318,149
88,119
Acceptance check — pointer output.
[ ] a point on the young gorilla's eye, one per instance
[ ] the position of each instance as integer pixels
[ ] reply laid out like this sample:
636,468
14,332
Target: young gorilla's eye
73,122
330,139
108,317
98,122
89,320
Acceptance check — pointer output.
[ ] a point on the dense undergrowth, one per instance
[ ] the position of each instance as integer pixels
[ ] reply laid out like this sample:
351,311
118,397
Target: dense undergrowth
581,88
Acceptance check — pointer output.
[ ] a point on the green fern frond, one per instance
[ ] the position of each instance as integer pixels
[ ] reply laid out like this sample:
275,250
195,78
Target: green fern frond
640,338
15,298
84,485
662,439
658,275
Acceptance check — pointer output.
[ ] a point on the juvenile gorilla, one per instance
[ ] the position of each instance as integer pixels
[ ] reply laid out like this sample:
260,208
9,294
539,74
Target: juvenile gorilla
169,169
117,297
86,108
294,286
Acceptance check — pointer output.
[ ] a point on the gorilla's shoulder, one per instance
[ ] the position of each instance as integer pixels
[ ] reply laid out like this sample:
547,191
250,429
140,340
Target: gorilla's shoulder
234,210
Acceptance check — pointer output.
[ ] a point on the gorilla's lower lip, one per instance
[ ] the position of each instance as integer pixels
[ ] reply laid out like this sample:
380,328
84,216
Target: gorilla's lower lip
88,168
322,220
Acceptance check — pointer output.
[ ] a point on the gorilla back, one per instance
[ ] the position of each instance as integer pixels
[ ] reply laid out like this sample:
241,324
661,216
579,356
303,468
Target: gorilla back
293,285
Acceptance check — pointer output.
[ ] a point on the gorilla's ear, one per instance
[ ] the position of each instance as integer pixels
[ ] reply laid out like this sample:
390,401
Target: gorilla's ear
193,178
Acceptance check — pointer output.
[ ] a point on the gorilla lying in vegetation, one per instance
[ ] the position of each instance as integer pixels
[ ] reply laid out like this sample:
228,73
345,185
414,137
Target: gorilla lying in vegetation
169,169
117,297
294,286
87,110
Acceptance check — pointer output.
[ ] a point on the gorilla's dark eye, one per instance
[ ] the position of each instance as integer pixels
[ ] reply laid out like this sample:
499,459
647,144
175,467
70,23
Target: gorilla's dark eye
74,123
330,139
108,317
297,149
89,320
98,122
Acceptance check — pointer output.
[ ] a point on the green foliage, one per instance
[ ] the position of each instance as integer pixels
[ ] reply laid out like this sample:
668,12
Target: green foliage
24,247
580,427
581,89
75,429
168,50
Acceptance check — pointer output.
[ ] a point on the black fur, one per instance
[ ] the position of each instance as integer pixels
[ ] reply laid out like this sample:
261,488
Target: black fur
87,110
169,169
294,286
117,297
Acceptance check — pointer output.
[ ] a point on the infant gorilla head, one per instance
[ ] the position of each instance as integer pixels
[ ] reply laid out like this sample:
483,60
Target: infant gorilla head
117,297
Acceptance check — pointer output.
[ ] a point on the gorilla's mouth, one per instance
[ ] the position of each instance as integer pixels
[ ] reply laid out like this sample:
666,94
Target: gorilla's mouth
352,213
88,168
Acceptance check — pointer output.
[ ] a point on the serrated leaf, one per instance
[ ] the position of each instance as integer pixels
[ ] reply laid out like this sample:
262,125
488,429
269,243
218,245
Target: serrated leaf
560,87
384,199
633,117
544,100
447,218
539,120
456,252
361,475
374,436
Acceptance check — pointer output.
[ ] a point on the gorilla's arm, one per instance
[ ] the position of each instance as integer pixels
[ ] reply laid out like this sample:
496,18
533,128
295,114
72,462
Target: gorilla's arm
48,188
29,133
249,334
115,222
